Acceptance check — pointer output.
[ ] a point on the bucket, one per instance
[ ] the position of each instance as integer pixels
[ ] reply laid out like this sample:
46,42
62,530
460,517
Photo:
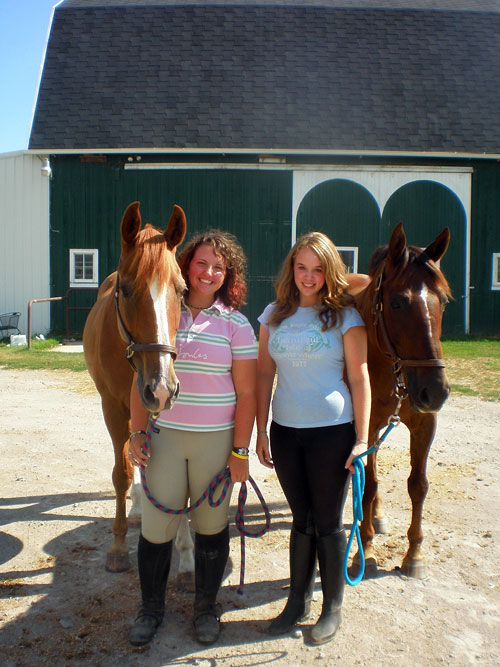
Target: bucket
17,339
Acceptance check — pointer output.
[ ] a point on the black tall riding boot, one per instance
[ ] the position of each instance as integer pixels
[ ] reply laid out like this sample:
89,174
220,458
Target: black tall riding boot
331,550
210,557
302,575
154,566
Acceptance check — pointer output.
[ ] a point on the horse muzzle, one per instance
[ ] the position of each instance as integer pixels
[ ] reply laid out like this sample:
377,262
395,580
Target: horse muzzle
427,392
156,395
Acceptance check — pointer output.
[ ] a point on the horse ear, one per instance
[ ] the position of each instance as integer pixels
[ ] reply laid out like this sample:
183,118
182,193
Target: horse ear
176,228
397,244
439,246
131,223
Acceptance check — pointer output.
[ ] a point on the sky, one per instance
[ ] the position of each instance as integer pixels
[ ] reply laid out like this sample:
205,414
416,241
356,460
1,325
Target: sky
24,32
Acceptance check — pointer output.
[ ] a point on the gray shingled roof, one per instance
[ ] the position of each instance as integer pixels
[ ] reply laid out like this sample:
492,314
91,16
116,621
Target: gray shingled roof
247,74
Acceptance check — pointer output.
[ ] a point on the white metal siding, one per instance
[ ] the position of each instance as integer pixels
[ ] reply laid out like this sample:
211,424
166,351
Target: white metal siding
24,239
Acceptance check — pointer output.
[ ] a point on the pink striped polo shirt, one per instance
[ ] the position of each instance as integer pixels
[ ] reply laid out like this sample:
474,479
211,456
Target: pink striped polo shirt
207,348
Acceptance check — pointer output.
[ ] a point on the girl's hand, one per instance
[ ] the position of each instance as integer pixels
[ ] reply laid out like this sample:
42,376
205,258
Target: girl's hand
136,453
238,468
263,450
359,448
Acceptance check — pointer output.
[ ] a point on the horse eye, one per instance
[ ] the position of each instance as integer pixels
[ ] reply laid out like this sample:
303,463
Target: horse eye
396,304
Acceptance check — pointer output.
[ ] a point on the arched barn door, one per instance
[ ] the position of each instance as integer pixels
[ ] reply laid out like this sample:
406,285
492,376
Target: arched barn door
425,208
346,212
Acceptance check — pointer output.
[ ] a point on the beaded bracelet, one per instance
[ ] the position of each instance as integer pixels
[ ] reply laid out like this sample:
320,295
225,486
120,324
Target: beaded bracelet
132,435
261,430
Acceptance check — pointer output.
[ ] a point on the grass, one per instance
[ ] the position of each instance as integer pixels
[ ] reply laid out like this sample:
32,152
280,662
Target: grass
472,365
42,355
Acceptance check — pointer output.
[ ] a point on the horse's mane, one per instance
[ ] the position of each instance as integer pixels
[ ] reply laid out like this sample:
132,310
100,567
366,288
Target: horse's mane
151,259
412,260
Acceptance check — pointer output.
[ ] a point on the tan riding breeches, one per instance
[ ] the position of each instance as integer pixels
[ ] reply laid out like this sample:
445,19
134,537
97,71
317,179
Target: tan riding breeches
182,463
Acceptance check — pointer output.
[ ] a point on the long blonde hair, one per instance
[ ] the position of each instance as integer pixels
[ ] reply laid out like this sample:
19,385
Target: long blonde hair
332,296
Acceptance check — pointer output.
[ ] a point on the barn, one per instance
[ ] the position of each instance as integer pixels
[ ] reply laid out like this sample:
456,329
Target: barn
268,118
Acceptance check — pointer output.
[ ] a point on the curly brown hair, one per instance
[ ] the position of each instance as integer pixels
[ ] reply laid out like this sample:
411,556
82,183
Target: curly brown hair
333,296
234,289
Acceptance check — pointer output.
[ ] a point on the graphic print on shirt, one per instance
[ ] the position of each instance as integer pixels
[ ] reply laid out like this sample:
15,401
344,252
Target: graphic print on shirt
298,341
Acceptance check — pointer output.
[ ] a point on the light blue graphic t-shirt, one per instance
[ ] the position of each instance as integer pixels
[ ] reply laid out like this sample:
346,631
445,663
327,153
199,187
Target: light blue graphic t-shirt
310,391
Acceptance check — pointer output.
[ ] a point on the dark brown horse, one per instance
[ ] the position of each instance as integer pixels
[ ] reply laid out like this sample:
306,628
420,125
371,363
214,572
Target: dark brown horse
135,319
402,309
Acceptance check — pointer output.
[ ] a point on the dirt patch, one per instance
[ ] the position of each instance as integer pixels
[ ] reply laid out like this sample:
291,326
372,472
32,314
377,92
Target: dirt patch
59,606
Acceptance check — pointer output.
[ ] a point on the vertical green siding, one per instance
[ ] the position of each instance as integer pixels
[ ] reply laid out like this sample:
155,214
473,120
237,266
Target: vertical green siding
425,208
88,200
485,240
344,211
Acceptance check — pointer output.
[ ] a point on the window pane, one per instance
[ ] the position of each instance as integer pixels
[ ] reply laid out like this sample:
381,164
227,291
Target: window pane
348,259
88,269
79,266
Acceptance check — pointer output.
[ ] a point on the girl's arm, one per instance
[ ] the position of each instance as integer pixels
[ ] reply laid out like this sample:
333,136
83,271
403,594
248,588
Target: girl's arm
266,370
355,352
244,379
357,282
139,417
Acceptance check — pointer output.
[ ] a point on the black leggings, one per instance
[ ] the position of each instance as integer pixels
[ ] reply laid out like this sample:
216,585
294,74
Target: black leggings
310,464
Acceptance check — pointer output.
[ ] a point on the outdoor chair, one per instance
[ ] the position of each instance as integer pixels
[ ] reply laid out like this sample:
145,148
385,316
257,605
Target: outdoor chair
8,322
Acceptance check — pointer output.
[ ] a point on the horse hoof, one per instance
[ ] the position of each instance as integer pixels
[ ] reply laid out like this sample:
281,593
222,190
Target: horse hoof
117,562
185,582
417,569
381,526
371,570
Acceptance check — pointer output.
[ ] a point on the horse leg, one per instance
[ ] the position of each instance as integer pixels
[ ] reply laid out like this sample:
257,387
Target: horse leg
116,418
185,548
379,520
134,515
422,429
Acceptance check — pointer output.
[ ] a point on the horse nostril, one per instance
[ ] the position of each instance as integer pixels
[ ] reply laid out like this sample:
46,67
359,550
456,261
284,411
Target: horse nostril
149,397
176,392
424,398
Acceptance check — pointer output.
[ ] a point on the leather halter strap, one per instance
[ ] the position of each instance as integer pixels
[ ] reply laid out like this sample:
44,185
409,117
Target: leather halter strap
132,346
390,351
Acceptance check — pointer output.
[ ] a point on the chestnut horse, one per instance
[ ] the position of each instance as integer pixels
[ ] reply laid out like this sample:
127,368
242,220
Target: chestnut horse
132,326
402,309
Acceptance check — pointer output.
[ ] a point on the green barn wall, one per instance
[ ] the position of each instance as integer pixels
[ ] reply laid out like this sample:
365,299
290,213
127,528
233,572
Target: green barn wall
88,199
485,240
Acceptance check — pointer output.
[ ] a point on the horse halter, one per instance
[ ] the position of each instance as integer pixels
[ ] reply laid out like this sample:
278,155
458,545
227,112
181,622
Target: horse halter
397,363
133,347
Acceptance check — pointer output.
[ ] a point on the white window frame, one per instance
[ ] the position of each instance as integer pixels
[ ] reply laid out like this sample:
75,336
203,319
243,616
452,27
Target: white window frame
354,250
495,267
84,282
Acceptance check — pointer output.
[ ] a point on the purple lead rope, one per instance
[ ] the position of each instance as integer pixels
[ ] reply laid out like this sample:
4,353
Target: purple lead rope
222,477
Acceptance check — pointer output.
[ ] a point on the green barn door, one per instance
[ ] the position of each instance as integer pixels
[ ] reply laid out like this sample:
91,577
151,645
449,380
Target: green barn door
344,211
425,208
253,205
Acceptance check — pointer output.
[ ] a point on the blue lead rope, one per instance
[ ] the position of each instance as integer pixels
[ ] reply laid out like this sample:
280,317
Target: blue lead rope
358,488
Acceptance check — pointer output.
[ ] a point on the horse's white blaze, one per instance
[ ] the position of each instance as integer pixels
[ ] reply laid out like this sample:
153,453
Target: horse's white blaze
424,294
159,297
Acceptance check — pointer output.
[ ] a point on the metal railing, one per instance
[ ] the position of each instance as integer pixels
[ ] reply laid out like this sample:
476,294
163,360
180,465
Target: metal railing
67,309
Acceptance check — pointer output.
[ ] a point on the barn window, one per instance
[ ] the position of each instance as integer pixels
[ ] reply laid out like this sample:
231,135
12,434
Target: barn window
349,256
83,268
495,272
